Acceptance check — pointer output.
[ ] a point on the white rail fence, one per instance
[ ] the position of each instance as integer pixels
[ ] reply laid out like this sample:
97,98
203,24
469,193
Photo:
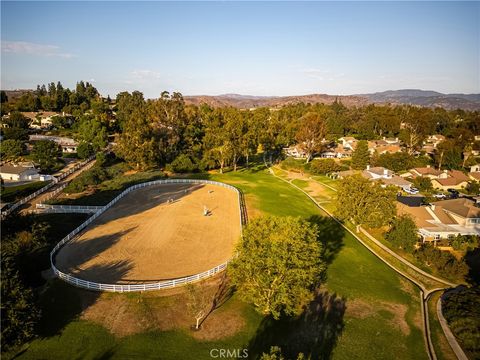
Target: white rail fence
66,209
45,188
146,286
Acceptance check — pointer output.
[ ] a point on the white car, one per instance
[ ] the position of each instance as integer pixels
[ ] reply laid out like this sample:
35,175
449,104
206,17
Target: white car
440,196
411,191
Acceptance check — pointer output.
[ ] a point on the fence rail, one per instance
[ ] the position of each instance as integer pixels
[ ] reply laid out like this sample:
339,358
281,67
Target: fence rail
66,209
146,286
45,188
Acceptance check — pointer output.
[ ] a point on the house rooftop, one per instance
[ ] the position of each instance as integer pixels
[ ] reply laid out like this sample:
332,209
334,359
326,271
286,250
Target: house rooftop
419,214
427,171
378,170
462,207
475,174
13,169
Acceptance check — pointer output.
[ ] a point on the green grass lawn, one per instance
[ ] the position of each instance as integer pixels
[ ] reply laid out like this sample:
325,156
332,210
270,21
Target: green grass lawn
15,193
373,312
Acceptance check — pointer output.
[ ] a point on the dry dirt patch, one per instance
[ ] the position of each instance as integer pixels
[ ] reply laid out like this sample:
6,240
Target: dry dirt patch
127,314
362,309
145,237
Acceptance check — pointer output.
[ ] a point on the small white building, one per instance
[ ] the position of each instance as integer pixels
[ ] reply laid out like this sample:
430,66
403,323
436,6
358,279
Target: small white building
68,145
13,172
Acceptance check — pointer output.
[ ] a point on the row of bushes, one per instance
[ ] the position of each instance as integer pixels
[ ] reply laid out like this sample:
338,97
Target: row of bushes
443,262
316,167
94,176
461,308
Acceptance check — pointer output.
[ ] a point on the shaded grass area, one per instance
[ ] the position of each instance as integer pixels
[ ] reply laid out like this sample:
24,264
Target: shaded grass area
106,191
440,343
330,329
15,193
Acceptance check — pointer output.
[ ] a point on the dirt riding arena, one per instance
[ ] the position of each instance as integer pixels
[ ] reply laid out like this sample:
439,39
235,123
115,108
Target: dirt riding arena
156,233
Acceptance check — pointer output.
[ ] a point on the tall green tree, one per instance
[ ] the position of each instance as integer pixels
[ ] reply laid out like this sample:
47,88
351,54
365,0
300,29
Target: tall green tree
403,233
12,149
312,130
18,311
278,265
361,156
92,131
46,153
136,144
365,202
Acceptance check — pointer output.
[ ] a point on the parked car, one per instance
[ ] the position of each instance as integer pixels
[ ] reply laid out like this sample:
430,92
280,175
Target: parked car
412,191
440,196
453,193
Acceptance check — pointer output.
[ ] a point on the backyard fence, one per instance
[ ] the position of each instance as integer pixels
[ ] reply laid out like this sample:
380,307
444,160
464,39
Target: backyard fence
25,200
146,286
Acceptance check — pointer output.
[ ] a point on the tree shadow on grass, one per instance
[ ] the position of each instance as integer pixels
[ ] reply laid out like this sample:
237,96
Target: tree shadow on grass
314,333
224,292
62,303
472,259
330,235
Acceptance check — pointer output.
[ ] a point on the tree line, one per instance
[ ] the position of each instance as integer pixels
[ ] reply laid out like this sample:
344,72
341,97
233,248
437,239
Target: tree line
156,132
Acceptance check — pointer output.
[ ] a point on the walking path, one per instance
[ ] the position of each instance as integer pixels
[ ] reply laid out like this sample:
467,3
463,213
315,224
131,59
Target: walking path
424,293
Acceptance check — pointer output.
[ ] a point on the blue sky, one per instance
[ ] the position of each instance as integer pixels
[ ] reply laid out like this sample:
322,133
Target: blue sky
257,48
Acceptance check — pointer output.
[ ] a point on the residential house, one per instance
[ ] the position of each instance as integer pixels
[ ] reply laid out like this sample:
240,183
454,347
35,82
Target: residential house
14,172
451,179
384,146
295,151
386,176
348,142
474,173
444,219
427,171
335,151
68,145
431,143
40,120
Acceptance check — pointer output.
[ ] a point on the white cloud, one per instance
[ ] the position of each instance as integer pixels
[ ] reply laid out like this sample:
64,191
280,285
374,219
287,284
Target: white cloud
145,74
320,74
24,47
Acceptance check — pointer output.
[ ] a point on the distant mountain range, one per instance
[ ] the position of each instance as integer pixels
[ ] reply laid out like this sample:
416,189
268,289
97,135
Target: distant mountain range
248,102
426,98
408,96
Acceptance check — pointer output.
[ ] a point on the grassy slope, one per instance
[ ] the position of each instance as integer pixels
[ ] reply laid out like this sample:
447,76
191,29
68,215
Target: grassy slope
15,193
354,274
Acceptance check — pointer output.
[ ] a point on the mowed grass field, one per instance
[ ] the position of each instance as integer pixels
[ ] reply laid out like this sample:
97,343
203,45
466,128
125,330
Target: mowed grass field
377,317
